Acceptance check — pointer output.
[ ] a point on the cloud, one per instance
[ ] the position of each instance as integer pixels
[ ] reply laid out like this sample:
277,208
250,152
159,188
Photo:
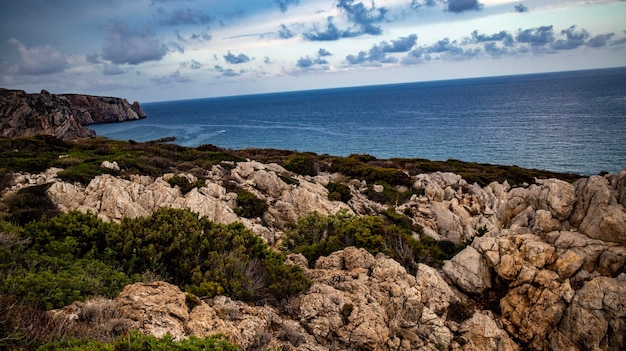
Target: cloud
492,49
284,32
458,6
574,39
364,18
193,64
132,46
315,61
228,72
204,35
329,34
283,5
503,36
377,54
416,4
93,58
112,70
323,52
241,58
170,80
536,36
40,59
599,40
181,16
520,8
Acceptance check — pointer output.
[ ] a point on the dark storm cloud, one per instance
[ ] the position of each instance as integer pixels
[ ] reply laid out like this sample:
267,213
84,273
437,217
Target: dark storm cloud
284,32
536,36
599,40
181,16
574,39
520,8
378,53
458,6
133,46
363,17
39,60
236,59
283,5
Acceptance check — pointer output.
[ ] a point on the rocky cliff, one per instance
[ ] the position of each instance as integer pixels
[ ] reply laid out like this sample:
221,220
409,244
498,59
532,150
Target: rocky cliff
63,116
101,109
24,114
544,268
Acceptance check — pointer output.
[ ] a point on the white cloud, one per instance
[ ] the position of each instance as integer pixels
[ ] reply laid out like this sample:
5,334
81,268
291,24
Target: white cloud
40,59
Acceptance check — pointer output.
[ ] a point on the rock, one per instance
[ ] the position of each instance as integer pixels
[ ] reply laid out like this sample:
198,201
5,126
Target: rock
110,165
597,212
448,224
556,196
596,318
89,109
156,308
23,114
483,333
469,271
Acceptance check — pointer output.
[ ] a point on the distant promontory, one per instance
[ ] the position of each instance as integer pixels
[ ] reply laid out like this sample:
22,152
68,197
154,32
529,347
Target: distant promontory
64,116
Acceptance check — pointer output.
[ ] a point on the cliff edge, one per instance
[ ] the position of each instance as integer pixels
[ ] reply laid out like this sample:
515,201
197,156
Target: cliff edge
62,116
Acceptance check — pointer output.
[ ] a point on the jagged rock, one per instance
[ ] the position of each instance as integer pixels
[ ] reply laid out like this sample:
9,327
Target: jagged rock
156,308
483,333
23,114
89,109
596,318
469,271
597,212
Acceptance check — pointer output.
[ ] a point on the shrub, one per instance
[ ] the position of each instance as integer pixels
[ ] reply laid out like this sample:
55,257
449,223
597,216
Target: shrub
338,192
135,341
83,172
30,204
184,184
248,205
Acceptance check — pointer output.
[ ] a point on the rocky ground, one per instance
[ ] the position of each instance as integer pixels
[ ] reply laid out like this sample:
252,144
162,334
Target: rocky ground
544,268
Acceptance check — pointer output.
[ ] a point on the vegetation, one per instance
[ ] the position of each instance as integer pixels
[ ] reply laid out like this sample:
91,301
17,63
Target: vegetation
315,236
184,184
338,192
134,341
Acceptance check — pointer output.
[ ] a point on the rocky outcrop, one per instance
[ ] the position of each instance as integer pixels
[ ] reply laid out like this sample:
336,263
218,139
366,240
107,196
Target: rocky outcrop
544,267
89,109
63,116
24,114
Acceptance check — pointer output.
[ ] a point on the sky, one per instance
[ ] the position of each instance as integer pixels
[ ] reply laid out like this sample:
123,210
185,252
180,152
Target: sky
158,50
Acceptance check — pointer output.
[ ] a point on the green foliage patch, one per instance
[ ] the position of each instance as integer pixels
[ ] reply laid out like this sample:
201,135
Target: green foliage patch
134,341
315,236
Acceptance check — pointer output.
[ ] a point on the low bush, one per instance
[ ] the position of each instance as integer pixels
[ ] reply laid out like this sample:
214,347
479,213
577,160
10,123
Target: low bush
136,341
184,184
248,205
30,204
338,192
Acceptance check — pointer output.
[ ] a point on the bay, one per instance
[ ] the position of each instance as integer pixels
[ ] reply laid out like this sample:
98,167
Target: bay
573,122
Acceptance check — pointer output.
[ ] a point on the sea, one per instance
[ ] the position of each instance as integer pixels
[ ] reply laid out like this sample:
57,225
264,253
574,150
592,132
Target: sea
571,122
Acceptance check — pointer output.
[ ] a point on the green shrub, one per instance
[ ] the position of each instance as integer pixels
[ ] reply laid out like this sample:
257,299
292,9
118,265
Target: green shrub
304,164
134,341
338,192
83,172
30,204
355,166
248,205
184,184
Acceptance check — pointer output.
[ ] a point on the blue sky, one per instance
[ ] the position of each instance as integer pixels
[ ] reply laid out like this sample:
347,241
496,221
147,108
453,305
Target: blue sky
155,50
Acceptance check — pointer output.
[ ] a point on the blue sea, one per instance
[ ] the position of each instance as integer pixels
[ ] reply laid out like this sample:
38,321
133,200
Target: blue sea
572,122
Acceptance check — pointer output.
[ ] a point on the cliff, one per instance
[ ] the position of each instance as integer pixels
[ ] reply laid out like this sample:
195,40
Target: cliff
543,269
101,109
63,116
23,114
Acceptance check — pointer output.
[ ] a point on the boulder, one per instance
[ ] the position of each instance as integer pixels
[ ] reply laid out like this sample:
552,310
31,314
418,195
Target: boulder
597,212
469,271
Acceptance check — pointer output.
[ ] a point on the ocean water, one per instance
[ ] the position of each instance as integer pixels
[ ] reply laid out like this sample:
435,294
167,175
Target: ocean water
571,122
